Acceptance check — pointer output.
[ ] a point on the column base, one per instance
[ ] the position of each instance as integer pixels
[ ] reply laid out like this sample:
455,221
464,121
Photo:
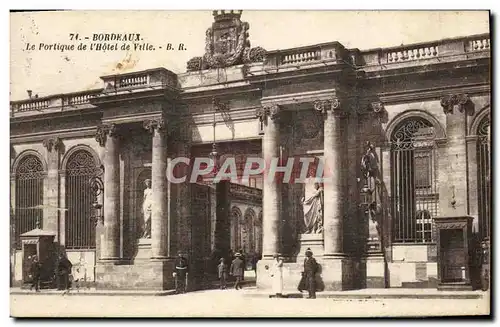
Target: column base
141,275
335,274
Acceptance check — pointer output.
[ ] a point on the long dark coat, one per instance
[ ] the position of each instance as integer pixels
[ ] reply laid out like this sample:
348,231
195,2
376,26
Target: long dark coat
237,267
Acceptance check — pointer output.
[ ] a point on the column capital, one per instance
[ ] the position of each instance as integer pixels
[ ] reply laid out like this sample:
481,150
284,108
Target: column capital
155,123
105,130
269,110
52,143
454,101
331,105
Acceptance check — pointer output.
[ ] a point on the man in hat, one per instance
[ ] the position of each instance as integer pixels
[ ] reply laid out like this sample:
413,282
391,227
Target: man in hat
35,273
181,274
236,270
310,270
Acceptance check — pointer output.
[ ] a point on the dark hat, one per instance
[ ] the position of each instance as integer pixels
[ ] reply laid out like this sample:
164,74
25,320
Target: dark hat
308,251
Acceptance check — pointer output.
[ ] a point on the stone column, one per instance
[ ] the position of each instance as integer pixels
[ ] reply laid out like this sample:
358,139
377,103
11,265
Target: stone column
51,194
333,177
159,215
107,136
271,189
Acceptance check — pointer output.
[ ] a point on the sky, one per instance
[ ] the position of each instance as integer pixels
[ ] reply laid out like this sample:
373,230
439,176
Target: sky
52,72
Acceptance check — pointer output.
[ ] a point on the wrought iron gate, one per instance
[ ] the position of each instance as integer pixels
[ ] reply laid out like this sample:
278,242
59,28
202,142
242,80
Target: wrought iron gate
80,229
484,181
413,181
29,196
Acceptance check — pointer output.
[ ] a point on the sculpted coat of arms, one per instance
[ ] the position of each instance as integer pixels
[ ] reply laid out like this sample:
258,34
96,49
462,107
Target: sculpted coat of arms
227,44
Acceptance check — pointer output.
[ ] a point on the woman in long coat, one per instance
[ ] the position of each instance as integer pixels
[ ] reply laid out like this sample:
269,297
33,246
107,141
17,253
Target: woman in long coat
277,275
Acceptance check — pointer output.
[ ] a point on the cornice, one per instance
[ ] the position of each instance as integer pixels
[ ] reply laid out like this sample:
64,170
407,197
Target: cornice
293,98
62,134
138,118
432,94
435,64
240,114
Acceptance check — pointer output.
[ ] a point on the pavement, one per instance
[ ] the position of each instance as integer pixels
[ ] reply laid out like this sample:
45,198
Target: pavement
242,303
249,290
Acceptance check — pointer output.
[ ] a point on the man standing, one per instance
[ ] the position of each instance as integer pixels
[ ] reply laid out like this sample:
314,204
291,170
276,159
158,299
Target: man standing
237,270
35,273
181,274
310,270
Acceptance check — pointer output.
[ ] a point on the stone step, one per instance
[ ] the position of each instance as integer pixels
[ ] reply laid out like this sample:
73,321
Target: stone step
366,294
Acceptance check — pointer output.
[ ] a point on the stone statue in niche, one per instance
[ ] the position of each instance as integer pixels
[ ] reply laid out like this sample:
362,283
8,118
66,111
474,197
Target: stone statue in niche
370,171
313,202
147,204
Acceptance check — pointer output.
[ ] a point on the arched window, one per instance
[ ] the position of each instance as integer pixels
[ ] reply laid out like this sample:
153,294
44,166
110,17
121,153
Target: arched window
413,180
29,196
236,217
248,222
80,228
483,173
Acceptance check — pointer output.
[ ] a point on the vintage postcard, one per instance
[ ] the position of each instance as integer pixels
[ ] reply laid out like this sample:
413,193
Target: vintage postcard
250,163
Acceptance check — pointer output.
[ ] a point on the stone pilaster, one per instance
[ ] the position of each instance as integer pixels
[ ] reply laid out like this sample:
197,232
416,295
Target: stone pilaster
333,176
54,147
269,116
159,217
453,201
107,136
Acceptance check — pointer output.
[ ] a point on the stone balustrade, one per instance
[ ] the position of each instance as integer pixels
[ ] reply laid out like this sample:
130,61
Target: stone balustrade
54,102
305,55
151,78
300,57
410,53
478,44
33,105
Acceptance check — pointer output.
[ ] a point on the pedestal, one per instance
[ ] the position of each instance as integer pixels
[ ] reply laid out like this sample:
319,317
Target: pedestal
155,275
312,241
335,274
374,267
143,249
373,244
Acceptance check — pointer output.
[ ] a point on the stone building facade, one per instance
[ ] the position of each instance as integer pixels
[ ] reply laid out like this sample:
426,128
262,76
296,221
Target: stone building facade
79,160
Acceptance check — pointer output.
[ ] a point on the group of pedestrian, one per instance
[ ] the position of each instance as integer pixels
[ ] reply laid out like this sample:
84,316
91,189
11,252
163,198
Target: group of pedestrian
236,270
307,282
63,273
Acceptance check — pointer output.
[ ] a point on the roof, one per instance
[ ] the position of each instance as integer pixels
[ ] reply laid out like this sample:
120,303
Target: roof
38,232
